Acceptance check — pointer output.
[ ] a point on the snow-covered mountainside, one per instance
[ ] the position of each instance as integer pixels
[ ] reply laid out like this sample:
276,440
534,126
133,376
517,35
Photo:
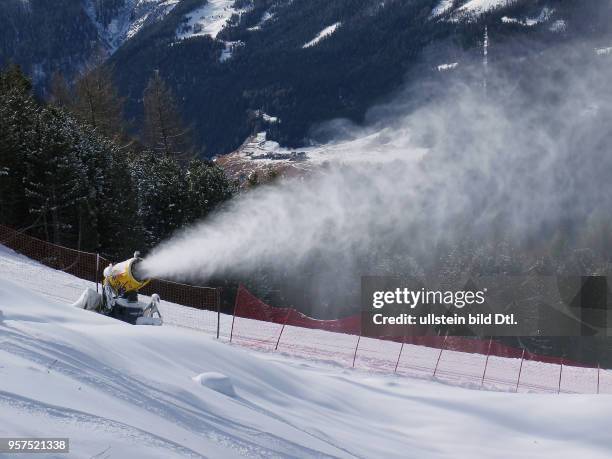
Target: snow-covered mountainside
468,9
471,10
208,19
162,392
69,35
476,7
224,59
118,24
258,154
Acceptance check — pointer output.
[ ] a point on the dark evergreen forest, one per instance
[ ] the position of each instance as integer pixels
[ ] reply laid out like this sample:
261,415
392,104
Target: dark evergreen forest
71,175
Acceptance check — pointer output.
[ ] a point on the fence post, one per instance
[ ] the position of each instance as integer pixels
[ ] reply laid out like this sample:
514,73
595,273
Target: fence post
440,354
234,313
282,329
560,373
97,271
598,378
486,362
218,299
518,381
356,347
400,355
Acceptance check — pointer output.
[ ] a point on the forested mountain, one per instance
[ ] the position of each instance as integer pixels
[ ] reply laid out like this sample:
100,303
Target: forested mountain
301,61
65,36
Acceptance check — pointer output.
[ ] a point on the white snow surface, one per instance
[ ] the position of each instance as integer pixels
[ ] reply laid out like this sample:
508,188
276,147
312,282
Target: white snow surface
144,392
544,16
603,51
326,32
446,67
482,6
474,8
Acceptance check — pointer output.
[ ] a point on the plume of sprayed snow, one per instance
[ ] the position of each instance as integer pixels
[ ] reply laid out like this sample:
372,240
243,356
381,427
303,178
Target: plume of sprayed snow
527,162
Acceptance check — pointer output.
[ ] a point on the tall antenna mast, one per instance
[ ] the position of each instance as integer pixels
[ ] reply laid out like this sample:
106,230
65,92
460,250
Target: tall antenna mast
485,58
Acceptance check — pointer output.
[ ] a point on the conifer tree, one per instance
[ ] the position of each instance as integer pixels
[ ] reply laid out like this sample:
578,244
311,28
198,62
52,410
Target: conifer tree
17,112
162,195
55,180
60,93
163,129
98,104
208,187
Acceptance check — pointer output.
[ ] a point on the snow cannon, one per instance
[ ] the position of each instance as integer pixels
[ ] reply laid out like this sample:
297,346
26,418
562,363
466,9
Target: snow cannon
126,276
119,298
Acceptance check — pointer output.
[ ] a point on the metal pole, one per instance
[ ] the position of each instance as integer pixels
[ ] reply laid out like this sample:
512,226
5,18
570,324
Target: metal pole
400,355
356,347
440,354
282,329
560,373
218,295
97,271
518,381
598,378
232,330
486,362
234,313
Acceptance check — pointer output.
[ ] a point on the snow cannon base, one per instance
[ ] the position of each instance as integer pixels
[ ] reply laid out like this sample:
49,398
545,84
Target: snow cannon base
156,321
136,312
128,310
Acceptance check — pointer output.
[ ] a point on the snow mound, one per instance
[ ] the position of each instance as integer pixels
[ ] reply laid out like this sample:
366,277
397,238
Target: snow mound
217,382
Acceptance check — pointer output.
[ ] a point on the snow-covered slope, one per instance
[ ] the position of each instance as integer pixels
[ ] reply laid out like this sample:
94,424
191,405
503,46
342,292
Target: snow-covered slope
468,9
117,26
544,16
161,392
476,7
208,20
258,154
326,32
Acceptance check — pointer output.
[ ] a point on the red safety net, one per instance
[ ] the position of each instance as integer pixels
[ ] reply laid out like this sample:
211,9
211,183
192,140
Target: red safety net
482,362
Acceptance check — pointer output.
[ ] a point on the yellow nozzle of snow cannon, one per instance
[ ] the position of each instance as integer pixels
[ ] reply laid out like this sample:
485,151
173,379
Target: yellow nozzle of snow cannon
125,276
